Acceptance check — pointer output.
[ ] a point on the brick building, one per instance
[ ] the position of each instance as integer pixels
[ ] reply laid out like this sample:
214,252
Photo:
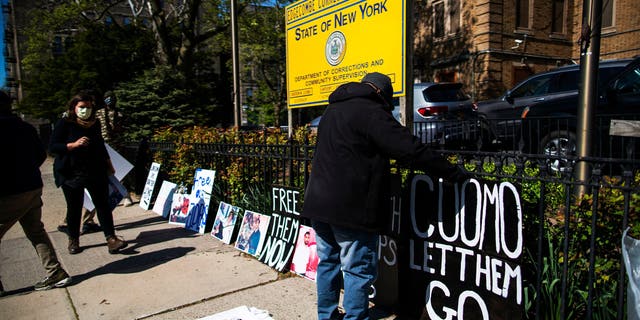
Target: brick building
491,45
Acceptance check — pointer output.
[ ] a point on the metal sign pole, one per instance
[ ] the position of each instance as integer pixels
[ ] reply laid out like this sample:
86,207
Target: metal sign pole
589,59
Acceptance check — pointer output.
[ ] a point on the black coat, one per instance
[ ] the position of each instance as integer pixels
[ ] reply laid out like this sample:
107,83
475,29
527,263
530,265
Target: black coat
350,172
81,164
23,156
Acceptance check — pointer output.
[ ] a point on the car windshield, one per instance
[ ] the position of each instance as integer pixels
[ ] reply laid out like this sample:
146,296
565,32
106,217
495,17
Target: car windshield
536,86
629,82
444,93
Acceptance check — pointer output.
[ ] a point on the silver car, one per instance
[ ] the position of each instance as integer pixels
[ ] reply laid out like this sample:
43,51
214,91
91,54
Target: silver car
436,108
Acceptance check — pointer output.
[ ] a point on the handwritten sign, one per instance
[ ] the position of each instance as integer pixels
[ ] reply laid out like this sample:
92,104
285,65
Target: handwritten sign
283,228
145,199
464,252
200,199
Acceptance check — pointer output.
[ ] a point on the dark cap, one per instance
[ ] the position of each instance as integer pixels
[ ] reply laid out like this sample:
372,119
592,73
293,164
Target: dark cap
382,83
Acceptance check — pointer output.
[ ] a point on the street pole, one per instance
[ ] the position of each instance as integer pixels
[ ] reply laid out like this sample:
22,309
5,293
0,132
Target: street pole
237,106
406,108
589,60
16,52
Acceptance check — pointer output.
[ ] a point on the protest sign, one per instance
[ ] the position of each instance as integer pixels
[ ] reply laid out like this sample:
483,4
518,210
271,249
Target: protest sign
145,199
283,228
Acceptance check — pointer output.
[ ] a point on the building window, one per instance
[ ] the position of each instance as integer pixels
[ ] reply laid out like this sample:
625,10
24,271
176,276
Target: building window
608,13
523,14
558,20
446,18
446,76
58,47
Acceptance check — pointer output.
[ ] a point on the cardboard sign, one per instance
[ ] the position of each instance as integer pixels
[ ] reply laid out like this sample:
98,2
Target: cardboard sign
225,222
145,199
162,205
201,197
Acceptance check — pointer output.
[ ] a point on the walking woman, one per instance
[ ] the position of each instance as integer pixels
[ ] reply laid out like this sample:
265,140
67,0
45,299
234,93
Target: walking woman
82,162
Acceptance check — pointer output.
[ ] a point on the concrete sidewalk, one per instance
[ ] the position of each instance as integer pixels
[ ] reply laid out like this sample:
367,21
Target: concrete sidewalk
166,272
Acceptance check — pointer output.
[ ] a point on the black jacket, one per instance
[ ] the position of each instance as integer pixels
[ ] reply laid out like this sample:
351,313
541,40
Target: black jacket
23,156
84,163
350,177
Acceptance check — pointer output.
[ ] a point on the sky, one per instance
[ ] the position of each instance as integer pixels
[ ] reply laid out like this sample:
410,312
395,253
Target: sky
3,67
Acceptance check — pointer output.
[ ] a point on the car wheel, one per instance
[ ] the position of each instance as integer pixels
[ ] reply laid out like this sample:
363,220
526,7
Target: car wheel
559,144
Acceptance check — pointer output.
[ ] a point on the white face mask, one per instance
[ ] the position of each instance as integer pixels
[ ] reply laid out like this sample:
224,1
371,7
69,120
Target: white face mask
84,113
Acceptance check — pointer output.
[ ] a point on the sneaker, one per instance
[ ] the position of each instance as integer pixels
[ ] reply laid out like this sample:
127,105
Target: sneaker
115,243
57,280
74,246
127,202
1,290
90,227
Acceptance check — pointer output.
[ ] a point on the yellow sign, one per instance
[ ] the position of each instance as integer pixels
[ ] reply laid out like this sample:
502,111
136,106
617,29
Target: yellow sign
331,42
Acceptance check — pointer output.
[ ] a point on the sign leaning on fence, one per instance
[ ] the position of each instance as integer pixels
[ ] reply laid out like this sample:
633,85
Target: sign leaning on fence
200,198
333,42
283,228
465,249
162,205
145,199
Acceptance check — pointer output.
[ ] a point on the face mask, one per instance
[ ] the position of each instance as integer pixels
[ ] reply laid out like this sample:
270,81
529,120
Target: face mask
84,113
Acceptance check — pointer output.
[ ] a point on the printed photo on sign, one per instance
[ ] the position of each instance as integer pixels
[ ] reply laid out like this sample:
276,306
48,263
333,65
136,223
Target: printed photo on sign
305,257
162,205
252,232
179,208
201,196
225,222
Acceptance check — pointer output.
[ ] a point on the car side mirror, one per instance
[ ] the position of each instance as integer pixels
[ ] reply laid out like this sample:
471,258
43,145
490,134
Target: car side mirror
508,98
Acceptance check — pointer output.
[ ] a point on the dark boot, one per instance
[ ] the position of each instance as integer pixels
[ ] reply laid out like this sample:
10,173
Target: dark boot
74,246
114,244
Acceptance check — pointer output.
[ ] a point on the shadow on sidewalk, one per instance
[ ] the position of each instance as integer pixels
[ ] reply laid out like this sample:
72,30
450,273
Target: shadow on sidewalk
139,223
146,238
135,264
131,264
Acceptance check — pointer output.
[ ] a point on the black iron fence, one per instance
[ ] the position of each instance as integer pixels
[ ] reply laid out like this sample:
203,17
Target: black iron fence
571,265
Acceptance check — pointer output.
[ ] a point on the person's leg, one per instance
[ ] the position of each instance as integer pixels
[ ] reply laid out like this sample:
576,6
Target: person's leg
74,198
328,276
87,216
10,213
27,207
88,224
99,191
34,230
358,255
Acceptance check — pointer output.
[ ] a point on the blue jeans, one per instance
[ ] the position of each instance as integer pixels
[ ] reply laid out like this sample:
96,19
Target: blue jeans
350,255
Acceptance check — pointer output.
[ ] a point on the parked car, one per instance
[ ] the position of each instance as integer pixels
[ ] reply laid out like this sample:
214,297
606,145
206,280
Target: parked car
438,99
545,122
547,86
436,106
